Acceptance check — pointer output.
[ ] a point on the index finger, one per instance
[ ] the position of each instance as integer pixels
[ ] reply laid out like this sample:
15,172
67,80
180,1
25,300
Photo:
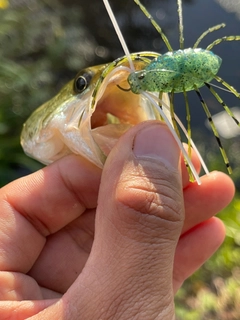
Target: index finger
42,203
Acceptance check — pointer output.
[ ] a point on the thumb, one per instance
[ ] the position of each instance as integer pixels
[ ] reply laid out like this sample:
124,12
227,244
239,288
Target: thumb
138,223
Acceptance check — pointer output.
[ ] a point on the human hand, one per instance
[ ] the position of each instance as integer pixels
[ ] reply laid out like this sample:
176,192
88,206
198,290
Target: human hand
52,269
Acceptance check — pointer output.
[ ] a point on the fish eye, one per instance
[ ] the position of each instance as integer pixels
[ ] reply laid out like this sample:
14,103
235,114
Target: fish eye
82,81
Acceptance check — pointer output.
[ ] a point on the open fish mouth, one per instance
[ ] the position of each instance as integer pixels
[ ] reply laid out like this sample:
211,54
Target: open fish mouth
89,121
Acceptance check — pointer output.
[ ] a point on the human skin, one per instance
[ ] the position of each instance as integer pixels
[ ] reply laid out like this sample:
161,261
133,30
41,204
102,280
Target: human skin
152,229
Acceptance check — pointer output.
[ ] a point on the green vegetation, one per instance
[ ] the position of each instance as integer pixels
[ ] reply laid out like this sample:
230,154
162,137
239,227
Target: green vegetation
42,45
39,48
213,292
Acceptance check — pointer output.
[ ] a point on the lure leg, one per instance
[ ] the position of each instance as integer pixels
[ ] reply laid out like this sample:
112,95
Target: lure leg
214,28
192,171
154,23
172,114
188,118
180,17
160,103
191,178
225,84
219,99
226,38
214,129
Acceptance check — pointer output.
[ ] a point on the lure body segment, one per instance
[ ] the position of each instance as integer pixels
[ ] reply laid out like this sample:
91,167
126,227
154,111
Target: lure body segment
177,71
185,70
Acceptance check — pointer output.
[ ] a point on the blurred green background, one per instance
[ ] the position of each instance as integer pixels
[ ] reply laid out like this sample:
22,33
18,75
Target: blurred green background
43,44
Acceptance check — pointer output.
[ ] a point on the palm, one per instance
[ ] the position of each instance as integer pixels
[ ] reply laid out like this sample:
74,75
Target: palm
64,256
54,228
66,252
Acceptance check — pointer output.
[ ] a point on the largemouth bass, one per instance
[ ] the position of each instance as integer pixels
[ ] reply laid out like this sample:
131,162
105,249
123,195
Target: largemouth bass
89,114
